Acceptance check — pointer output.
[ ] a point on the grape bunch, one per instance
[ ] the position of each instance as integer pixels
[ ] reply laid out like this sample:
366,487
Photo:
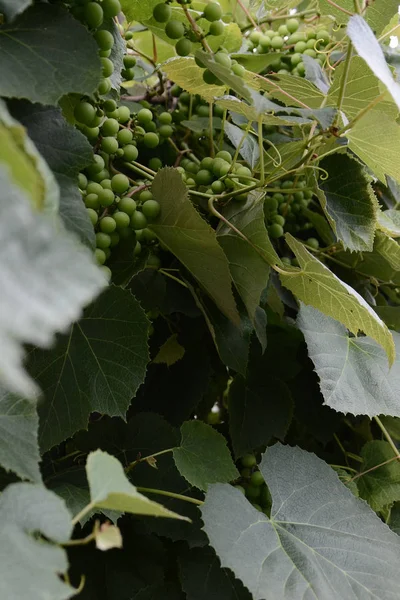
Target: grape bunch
253,486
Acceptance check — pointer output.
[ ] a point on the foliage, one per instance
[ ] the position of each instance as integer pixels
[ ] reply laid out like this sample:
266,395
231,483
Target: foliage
200,300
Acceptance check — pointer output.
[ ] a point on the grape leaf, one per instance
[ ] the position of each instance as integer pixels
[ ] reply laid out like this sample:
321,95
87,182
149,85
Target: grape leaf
60,276
389,314
320,542
389,222
203,457
249,147
377,15
12,8
383,262
293,91
170,352
256,62
367,46
184,72
349,202
33,573
67,152
98,366
316,285
253,112
381,486
110,489
353,372
137,10
191,239
224,74
316,74
45,41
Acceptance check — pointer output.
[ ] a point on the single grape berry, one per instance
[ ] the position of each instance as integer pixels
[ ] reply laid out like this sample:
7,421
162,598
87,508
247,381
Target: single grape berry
253,492
108,67
106,197
292,25
127,205
138,220
155,163
212,12
107,225
111,8
165,118
103,240
145,195
313,243
93,14
120,183
275,231
110,127
130,152
104,87
216,28
109,145
84,113
144,116
162,12
223,59
128,74
151,139
100,256
210,78
124,114
248,460
82,181
122,219
151,209
124,137
277,42
174,29
183,47
129,61
92,214
92,201
238,70
104,39
204,177
165,131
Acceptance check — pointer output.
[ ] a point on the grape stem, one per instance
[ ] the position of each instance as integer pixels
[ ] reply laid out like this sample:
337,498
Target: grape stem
196,30
170,495
133,464
343,81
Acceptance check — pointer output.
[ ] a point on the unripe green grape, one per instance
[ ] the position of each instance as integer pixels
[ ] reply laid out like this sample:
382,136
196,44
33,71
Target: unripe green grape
287,184
128,35
130,152
271,204
106,184
300,47
155,163
151,209
223,59
285,208
192,167
144,116
190,182
108,67
104,87
298,196
100,256
207,163
92,201
162,12
204,177
122,219
92,216
106,197
124,137
153,261
283,30
292,25
310,52
279,219
301,69
183,47
97,165
151,139
202,110
174,29
283,72
248,460
114,240
165,131
139,234
308,194
111,8
176,90
150,126
105,53
265,42
277,42
295,59
278,197
127,205
149,235
218,187
145,195
255,37
128,74
110,127
313,243
103,240
275,231
212,12
216,28
120,183
124,114
238,70
104,39
99,177
107,225
93,14
109,145
243,172
165,118
137,249
84,113
240,488
138,220
311,44
185,98
93,188
82,181
218,111
129,61
253,492
323,36
210,78
218,164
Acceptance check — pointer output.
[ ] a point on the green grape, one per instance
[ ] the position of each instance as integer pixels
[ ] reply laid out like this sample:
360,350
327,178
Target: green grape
243,172
137,249
97,166
162,12
204,177
286,260
104,87
275,231
150,126
109,145
108,67
300,47
176,90
311,44
299,36
218,111
148,235
202,110
144,116
277,42
92,215
92,201
130,152
82,181
255,37
323,36
155,163
265,42
93,14
308,194
111,8
100,256
223,59
84,113
309,52
192,167
216,28
138,220
124,137
165,118
248,460
295,59
210,78
301,69
279,197
257,506
185,98
218,187
129,61
151,139
283,72
153,262
93,188
120,183
271,204
110,127
106,184
114,239
313,243
287,185
183,47
212,12
298,196
285,208
106,197
106,272
128,35
292,25
145,195
190,181
238,70
124,114
128,74
165,131
139,234
207,163
105,53
240,488
279,219
121,219
174,29
283,30
99,177
127,205
104,39
253,492
107,225
103,240
151,209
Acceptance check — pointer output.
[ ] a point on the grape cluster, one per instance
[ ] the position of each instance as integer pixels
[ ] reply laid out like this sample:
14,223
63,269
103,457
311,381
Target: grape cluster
253,484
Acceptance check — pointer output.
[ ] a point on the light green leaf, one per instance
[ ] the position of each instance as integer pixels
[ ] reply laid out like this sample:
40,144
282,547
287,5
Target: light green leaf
381,486
378,13
368,48
189,76
253,112
316,285
45,39
12,8
283,157
256,62
30,567
98,366
354,373
233,37
349,202
19,448
383,262
138,10
294,91
109,488
321,225
60,276
389,222
203,457
320,542
191,239
170,352
249,147
248,262
224,74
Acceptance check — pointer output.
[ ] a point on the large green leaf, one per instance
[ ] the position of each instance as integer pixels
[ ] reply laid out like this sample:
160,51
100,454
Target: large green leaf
60,276
189,76
349,202
98,366
248,260
317,286
19,448
67,152
294,91
182,230
30,567
367,46
375,139
320,542
224,74
58,54
137,10
203,457
383,262
110,489
389,222
354,373
249,148
12,8
380,487
378,13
